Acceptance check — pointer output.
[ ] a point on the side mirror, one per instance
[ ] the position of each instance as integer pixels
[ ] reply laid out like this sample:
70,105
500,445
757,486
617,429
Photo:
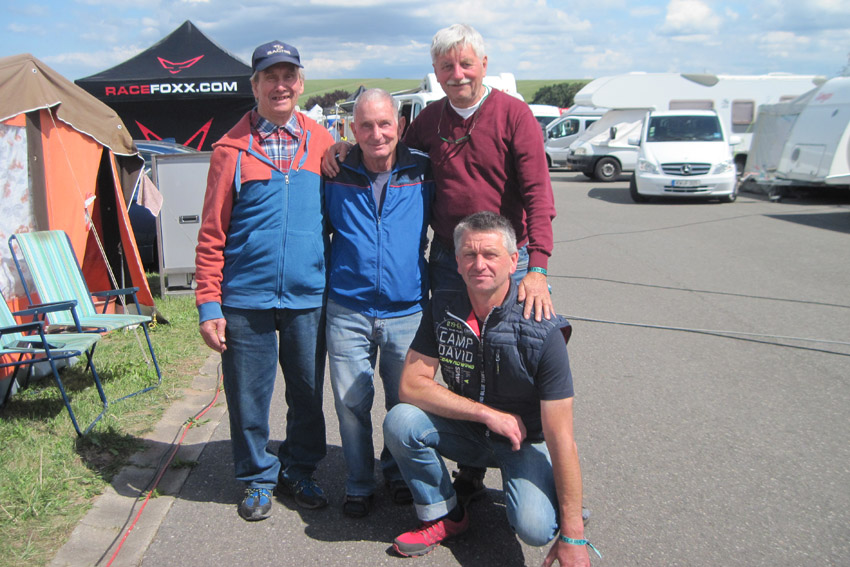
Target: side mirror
634,141
735,140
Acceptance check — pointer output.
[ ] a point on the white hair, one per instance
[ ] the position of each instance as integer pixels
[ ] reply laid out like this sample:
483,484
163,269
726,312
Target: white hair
457,35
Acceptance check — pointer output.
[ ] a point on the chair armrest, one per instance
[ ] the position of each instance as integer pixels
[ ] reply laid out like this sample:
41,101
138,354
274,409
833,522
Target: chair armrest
114,292
109,293
26,327
68,305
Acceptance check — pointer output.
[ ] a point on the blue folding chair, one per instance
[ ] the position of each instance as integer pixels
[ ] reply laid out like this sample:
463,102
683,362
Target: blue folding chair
57,276
27,344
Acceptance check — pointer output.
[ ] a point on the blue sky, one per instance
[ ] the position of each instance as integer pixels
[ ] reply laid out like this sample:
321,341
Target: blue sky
534,39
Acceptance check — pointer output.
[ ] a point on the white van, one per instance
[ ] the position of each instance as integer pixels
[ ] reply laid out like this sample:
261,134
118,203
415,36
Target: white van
545,114
684,153
560,133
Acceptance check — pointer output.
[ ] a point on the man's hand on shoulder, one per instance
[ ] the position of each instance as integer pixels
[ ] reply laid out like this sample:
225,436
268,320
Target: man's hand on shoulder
338,151
534,291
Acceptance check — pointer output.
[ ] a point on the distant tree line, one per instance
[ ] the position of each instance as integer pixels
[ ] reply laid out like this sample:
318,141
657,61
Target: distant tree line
561,95
327,100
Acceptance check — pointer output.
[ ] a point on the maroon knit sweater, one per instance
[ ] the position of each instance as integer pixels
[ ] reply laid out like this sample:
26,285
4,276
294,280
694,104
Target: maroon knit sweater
500,168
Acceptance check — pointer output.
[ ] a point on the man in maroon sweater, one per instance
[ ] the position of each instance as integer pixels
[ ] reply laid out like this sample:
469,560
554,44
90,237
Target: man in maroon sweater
487,155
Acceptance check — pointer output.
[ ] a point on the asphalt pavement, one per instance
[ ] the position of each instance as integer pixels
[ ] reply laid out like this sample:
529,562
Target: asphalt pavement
711,359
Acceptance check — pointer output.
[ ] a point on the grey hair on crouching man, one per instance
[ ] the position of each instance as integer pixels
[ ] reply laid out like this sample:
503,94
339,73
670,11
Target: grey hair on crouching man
454,36
486,221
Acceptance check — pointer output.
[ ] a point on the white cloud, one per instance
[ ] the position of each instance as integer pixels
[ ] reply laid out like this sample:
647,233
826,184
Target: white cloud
690,16
606,60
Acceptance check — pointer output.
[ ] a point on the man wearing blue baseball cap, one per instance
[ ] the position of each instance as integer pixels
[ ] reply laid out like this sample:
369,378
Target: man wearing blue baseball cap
260,272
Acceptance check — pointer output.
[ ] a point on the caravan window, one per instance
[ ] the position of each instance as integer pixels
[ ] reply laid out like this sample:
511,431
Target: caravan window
691,105
743,115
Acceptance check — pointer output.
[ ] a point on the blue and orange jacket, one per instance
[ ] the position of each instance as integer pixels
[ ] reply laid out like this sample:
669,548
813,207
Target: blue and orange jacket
263,238
378,265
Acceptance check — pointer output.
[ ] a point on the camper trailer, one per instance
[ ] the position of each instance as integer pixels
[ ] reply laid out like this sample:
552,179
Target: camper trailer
735,98
817,150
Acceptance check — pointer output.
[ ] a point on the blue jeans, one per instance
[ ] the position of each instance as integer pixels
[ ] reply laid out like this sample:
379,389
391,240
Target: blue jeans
442,267
257,340
353,343
419,441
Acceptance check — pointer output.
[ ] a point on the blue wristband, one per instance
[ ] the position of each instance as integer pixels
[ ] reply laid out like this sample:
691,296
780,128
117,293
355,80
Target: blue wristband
538,270
572,541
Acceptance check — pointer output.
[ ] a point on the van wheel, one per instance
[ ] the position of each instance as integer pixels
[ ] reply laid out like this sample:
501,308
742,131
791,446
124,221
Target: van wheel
731,197
633,192
607,169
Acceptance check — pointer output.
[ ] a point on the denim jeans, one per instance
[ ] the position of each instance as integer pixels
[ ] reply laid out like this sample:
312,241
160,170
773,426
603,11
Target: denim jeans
257,340
442,267
419,441
353,343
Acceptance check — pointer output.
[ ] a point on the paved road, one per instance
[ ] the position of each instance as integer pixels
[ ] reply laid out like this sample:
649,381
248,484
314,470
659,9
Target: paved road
698,448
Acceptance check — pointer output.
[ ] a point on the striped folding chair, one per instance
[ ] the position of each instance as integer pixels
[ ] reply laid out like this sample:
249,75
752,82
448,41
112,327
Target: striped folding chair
24,345
56,276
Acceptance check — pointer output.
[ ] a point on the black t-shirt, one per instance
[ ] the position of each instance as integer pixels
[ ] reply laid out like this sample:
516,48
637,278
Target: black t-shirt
455,344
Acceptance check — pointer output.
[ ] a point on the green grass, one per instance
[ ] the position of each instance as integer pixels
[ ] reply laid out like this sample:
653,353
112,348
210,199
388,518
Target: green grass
49,477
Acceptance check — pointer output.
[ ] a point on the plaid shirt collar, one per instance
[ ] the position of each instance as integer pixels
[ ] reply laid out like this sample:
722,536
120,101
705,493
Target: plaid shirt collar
266,128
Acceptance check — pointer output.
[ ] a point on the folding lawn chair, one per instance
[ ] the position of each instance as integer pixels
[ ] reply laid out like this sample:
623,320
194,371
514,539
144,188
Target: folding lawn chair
57,276
28,344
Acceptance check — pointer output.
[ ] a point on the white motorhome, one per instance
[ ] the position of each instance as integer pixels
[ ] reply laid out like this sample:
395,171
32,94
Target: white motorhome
735,98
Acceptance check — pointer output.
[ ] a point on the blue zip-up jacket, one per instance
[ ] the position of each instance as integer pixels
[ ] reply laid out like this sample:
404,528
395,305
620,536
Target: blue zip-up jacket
377,264
263,240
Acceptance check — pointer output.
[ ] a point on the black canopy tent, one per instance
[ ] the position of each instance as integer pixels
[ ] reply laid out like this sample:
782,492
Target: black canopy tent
185,87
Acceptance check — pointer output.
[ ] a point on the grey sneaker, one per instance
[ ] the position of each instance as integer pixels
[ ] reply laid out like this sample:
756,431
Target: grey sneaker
256,504
306,492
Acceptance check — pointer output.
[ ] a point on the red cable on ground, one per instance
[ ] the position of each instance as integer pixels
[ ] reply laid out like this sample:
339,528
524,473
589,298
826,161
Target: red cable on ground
186,426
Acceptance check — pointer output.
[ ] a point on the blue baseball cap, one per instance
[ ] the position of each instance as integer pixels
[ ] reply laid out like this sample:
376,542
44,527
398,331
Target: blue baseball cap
274,52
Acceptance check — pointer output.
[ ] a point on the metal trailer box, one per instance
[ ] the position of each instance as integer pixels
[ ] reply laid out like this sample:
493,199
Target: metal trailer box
182,180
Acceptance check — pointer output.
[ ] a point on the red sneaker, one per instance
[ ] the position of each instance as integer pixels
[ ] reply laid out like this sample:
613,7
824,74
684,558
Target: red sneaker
429,535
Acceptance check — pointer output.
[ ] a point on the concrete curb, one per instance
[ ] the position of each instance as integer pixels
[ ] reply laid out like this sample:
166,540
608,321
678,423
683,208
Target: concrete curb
99,533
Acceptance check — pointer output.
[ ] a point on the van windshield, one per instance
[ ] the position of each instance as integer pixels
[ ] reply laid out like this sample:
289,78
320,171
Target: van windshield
684,129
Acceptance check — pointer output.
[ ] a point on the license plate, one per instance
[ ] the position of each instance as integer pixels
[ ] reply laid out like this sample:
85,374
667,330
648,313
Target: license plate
685,183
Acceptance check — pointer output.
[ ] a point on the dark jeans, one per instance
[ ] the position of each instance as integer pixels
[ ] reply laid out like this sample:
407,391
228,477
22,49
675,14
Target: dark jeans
257,340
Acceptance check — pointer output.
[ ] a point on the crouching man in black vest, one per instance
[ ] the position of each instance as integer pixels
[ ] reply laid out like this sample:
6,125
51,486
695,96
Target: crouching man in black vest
508,404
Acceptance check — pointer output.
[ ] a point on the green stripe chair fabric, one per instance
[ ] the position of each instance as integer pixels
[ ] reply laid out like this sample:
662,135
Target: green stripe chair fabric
56,276
27,344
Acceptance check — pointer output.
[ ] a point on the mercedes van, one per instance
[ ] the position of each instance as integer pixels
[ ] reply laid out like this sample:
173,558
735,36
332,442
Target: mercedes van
684,153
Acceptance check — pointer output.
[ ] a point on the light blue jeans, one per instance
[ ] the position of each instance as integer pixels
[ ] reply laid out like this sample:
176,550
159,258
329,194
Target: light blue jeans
419,441
353,342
